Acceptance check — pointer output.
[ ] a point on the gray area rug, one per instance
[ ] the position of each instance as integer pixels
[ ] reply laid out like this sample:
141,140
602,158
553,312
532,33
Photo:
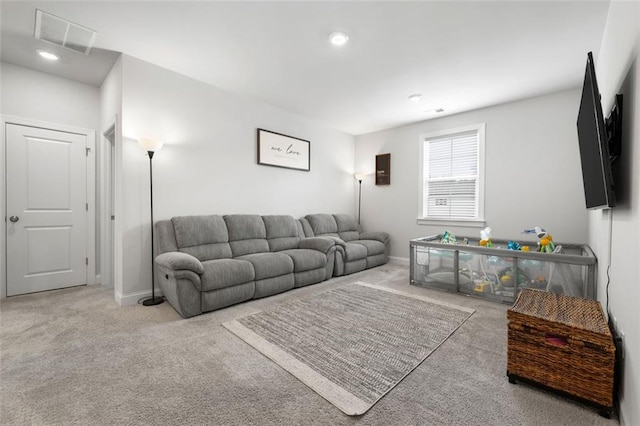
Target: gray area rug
352,344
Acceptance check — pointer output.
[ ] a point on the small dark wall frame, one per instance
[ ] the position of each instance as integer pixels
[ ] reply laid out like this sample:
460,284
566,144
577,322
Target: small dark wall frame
383,169
278,150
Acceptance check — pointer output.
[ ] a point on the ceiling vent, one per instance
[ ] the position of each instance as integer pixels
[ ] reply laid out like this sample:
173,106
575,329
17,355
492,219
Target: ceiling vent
64,33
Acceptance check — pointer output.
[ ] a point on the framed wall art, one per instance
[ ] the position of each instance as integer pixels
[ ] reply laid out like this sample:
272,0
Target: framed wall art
383,169
278,150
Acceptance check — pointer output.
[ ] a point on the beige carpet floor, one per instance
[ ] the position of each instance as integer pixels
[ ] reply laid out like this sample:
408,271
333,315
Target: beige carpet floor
74,357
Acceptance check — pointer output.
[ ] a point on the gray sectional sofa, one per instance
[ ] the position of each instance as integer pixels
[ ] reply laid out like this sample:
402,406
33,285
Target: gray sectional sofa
210,262
359,250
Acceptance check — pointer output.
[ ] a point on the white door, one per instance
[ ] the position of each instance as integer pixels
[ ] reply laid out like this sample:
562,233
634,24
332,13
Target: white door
46,209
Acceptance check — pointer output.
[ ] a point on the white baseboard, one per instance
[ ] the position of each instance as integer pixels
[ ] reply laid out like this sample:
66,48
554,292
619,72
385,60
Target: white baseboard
131,299
403,261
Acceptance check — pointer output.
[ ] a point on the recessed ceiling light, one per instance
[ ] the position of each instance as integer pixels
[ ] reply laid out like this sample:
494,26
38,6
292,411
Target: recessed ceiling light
338,38
415,98
48,55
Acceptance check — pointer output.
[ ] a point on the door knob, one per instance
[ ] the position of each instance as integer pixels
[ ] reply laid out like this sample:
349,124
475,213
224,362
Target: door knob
14,219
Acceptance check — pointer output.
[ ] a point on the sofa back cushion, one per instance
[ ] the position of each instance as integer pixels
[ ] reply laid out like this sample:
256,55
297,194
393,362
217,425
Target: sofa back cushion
204,237
322,224
347,227
305,228
247,234
165,236
282,232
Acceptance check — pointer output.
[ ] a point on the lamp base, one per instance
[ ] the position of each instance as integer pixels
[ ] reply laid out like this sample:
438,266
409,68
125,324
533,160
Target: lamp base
152,301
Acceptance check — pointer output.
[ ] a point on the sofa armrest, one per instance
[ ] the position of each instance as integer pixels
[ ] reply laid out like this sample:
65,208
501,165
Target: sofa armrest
321,244
338,241
383,237
178,261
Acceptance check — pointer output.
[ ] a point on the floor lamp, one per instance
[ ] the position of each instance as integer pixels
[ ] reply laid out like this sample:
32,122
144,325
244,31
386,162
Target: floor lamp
360,177
151,146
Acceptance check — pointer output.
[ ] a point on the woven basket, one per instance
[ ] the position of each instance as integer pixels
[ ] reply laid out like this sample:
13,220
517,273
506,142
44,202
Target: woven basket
562,342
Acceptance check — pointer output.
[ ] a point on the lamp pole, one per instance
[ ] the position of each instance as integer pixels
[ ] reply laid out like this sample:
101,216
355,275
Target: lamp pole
151,146
359,177
359,198
153,300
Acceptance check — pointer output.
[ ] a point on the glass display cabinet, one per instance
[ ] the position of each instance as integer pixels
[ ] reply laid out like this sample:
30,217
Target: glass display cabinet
497,273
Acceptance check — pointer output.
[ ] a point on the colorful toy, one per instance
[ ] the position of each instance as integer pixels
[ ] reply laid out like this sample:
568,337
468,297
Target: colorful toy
482,285
485,237
512,245
545,245
535,230
540,282
507,277
448,238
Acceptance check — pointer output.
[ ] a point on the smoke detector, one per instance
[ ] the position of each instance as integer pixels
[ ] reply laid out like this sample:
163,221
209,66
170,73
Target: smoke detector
64,33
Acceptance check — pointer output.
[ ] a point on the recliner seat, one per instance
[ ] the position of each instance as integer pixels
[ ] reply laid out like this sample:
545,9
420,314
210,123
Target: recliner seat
356,250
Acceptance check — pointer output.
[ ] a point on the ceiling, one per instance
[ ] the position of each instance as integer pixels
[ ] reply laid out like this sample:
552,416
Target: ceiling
459,55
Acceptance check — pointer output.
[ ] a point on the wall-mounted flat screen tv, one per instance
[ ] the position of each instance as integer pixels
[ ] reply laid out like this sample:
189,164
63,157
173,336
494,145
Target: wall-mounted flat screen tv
594,148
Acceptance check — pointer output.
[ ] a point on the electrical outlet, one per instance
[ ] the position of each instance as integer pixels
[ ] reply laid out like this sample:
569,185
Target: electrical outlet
618,337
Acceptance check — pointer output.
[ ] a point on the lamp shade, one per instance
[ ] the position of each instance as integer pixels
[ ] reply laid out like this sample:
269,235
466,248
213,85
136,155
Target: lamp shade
150,144
360,176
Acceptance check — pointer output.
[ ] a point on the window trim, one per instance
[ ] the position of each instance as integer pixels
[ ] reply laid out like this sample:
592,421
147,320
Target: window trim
480,220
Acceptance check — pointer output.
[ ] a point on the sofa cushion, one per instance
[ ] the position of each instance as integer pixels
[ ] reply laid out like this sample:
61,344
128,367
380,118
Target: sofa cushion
204,237
347,227
285,243
217,299
355,266
383,237
268,265
310,277
354,251
247,234
223,273
376,260
274,285
282,232
304,259
373,247
322,224
165,236
305,227
300,226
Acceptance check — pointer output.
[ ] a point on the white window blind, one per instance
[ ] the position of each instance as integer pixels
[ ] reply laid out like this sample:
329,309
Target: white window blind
451,180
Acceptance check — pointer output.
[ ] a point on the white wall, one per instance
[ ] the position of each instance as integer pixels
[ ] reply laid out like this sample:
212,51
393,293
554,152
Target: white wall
39,96
111,96
532,173
209,166
618,71
110,115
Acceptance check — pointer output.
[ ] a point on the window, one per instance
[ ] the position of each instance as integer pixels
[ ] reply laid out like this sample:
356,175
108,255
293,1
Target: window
452,176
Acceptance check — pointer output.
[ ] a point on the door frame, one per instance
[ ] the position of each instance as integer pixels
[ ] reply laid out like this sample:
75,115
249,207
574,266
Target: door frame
106,171
91,191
